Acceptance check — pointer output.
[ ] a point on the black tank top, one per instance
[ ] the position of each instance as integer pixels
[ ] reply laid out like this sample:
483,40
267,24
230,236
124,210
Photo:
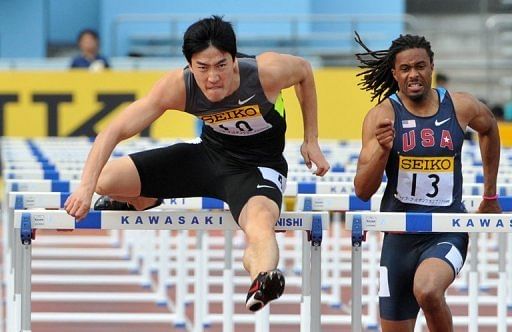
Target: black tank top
424,166
244,125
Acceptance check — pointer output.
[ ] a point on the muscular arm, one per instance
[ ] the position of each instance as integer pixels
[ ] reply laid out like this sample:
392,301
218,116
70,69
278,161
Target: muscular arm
377,141
167,93
280,71
479,117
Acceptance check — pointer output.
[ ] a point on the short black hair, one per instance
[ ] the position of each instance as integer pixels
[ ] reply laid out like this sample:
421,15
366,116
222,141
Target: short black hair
90,32
211,31
377,65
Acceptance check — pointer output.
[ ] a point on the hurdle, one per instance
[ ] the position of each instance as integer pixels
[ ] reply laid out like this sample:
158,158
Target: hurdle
360,222
27,220
338,204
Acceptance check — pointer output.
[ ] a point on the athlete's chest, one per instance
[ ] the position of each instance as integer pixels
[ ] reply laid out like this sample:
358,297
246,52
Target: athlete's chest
440,134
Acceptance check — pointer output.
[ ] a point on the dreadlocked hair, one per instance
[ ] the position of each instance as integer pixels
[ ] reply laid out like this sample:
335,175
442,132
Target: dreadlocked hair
377,76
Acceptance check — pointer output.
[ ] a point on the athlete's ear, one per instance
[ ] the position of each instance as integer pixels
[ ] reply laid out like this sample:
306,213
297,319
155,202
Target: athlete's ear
190,67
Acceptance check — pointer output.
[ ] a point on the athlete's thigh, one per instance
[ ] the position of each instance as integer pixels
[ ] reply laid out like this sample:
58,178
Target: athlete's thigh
119,177
251,182
179,170
397,267
450,251
258,212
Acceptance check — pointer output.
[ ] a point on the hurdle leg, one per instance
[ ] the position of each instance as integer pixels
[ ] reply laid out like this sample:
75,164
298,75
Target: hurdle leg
372,286
509,275
305,305
10,274
26,288
337,219
473,284
502,283
227,303
357,275
298,248
199,292
16,281
181,279
316,286
205,272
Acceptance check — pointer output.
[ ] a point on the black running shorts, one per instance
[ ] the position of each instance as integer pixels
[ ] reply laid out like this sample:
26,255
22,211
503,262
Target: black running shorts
192,170
401,255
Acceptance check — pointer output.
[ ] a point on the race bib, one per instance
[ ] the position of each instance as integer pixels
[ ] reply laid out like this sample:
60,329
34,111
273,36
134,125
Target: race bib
425,180
242,121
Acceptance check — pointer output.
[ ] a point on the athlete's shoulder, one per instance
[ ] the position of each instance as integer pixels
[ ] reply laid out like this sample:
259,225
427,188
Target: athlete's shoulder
464,102
169,91
384,109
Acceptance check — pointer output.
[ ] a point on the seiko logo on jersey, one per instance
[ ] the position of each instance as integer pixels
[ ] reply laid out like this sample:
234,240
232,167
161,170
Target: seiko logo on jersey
427,164
239,113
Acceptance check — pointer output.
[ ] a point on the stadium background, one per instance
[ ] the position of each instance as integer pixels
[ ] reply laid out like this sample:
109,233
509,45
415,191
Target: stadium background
39,96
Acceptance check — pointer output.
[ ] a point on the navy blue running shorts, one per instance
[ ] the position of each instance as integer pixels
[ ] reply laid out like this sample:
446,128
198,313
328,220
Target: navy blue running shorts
401,255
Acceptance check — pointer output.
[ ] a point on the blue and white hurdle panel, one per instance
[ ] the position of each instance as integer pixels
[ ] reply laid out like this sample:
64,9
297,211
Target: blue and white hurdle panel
338,203
26,221
361,222
55,200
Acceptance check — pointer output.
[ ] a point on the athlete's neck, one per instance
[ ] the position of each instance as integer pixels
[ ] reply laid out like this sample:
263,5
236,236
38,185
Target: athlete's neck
426,105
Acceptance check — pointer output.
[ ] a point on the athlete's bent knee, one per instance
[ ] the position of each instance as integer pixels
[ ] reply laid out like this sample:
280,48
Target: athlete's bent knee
105,181
429,298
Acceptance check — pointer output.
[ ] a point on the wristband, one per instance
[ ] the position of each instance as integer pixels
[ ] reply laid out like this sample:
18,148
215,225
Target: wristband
490,198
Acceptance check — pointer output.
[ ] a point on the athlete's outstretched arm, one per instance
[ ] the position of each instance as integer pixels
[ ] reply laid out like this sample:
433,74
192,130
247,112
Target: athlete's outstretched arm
167,93
281,71
378,134
483,122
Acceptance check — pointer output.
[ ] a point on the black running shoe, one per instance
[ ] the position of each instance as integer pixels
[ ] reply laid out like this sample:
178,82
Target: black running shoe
106,203
266,287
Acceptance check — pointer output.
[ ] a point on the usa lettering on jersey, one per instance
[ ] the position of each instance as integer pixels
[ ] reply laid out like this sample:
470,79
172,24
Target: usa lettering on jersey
426,139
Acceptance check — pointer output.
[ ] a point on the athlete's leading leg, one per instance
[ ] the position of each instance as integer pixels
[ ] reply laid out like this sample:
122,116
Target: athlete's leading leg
431,280
120,180
257,220
261,255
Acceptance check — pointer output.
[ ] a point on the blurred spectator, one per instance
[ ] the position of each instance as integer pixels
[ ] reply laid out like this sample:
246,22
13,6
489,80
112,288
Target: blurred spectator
498,112
507,111
89,57
441,80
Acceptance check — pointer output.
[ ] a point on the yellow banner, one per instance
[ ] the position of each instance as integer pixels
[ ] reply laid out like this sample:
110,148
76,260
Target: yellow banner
34,104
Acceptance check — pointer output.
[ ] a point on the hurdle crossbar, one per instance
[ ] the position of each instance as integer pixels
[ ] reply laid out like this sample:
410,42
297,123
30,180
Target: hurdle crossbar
25,221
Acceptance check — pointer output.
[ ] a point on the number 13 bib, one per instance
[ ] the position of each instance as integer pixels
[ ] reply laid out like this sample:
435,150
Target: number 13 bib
425,180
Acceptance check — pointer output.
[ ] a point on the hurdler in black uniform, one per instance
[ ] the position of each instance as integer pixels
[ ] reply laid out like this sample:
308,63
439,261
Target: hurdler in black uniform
424,175
240,153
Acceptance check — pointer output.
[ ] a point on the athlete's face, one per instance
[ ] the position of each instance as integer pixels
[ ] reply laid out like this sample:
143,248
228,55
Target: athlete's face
215,73
413,73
